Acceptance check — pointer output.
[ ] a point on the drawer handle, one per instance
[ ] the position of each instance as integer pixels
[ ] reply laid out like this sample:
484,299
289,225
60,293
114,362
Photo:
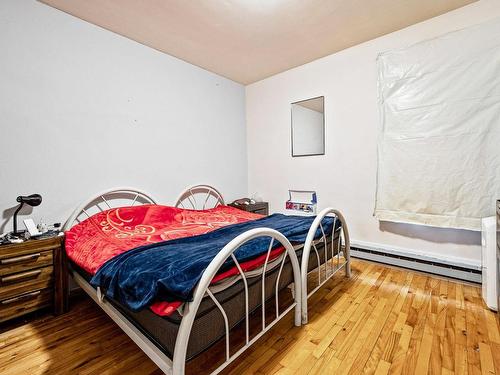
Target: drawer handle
20,259
21,297
21,276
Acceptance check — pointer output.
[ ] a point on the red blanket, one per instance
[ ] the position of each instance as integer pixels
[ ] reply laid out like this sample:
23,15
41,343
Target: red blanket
104,235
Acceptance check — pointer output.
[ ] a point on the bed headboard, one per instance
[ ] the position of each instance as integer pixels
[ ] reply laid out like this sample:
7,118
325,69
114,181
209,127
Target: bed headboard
112,198
199,197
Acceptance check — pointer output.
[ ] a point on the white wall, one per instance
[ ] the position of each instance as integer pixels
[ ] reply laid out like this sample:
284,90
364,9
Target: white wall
345,176
307,131
83,109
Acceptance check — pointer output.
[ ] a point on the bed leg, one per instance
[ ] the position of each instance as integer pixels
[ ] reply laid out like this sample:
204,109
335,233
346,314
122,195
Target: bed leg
348,262
304,311
298,310
304,292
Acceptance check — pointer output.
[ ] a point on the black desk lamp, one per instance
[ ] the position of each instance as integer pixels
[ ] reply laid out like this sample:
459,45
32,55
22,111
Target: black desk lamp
32,200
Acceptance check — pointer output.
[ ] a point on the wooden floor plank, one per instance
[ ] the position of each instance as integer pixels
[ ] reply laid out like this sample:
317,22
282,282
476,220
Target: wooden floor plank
383,320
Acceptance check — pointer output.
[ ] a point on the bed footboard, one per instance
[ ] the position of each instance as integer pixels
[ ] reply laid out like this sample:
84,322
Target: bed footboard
202,290
332,262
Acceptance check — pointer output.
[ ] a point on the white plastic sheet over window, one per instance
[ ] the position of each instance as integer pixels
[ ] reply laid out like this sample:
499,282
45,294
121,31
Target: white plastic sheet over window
439,148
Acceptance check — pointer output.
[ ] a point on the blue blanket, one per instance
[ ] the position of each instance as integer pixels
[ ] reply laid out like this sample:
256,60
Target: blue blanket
170,270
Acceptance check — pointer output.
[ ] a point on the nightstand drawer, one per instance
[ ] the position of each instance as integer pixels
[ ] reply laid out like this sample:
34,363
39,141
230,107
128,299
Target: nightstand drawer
25,303
33,276
26,281
20,263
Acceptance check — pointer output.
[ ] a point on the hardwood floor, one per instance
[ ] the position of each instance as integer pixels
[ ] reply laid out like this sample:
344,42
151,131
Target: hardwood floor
381,321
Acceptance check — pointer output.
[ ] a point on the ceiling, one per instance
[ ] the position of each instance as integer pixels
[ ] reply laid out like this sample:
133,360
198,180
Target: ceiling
248,40
316,104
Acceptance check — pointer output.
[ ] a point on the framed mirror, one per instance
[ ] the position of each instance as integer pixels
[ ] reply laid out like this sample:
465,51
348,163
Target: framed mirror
308,127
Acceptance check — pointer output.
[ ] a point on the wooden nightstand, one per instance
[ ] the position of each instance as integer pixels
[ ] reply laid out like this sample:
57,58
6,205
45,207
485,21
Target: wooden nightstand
33,275
261,208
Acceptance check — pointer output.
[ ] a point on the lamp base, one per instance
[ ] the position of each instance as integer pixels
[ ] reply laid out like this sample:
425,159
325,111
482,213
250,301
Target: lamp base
17,234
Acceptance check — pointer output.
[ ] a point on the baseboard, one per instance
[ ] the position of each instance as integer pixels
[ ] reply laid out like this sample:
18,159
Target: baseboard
454,267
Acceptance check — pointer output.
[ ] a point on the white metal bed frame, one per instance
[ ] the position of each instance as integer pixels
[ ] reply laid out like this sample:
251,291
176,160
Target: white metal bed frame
176,365
188,196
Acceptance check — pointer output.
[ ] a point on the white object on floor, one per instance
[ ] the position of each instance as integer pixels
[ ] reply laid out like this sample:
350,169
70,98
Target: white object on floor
489,261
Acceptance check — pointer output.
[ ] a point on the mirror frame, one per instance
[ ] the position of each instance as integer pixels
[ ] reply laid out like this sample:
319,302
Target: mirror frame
291,127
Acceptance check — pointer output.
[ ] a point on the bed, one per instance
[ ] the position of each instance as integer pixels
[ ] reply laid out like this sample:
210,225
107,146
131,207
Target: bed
266,296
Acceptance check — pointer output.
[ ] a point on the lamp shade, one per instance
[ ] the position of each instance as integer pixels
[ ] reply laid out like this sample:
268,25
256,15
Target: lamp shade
32,200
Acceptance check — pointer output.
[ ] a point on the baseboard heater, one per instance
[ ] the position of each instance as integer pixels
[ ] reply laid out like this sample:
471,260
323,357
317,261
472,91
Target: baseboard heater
428,265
